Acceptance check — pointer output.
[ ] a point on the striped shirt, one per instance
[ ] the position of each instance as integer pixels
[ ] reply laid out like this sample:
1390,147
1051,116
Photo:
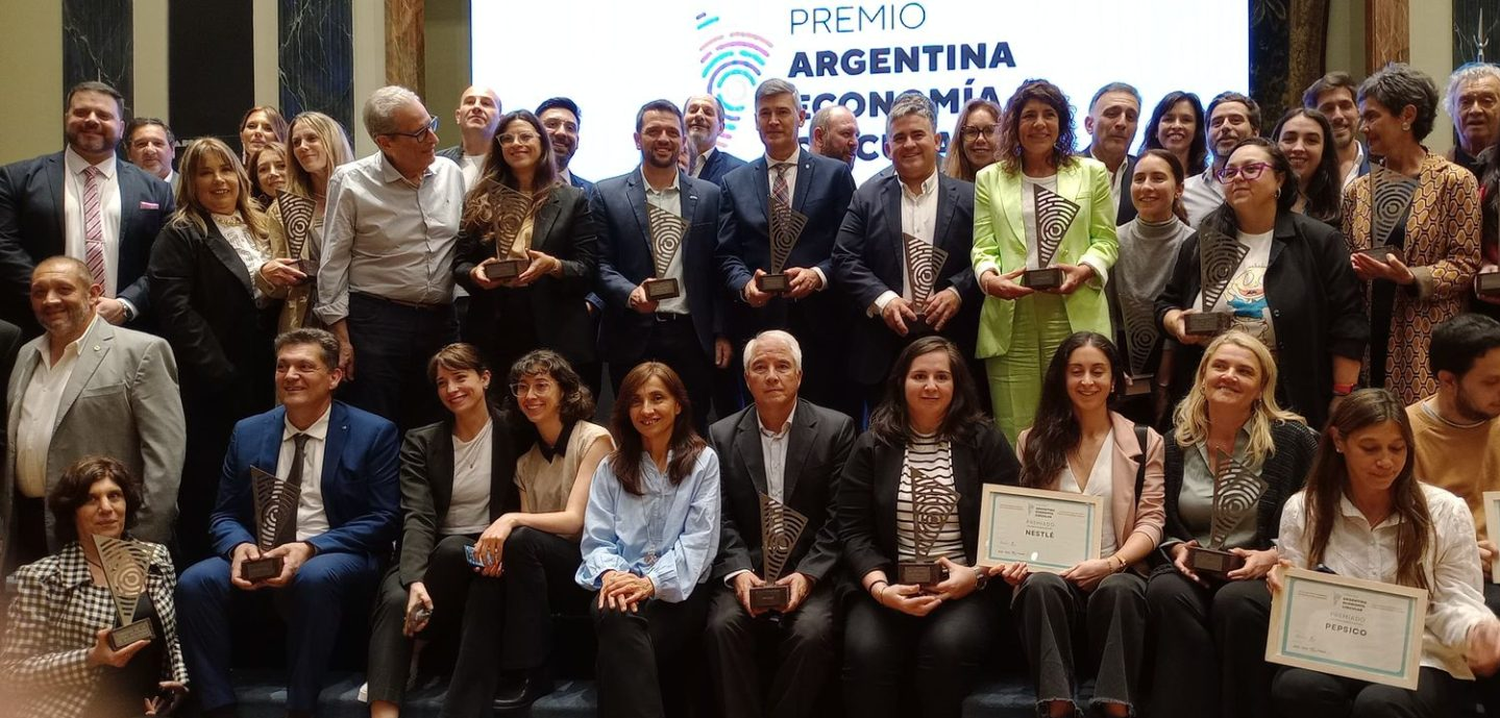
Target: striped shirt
931,458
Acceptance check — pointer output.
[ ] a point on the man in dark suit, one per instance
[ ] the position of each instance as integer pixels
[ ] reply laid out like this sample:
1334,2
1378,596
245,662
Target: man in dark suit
903,252
793,452
345,518
478,118
705,122
658,223
561,119
818,189
1114,114
85,203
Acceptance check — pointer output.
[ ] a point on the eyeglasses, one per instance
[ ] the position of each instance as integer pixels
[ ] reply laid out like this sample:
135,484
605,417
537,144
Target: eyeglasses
431,126
972,132
524,138
1250,172
541,388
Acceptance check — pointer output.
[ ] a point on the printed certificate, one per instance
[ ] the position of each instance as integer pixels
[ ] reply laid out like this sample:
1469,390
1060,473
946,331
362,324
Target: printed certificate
1492,528
1050,530
1350,627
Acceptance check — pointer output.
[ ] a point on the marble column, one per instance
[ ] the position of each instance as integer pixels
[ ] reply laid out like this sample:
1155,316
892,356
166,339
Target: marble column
99,44
1387,33
406,45
1269,57
317,58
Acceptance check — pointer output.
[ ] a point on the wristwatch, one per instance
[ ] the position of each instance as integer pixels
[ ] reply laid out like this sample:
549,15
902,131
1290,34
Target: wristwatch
981,578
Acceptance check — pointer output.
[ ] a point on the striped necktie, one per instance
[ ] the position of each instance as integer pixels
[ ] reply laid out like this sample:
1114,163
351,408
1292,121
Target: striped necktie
93,224
779,190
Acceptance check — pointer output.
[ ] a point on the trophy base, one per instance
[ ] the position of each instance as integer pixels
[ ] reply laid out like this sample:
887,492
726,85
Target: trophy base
1213,562
773,283
1203,324
505,269
919,573
308,267
129,633
1487,285
260,569
659,289
918,327
1040,279
1378,253
770,597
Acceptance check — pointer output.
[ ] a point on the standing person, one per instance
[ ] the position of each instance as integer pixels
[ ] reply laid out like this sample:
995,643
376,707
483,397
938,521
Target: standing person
318,145
649,539
705,123
262,125
1177,126
1489,240
1021,327
85,203
1231,117
478,119
975,141
1210,636
267,168
1306,138
835,134
1473,103
791,451
1113,116
1364,515
385,279
562,119
819,189
1078,445
636,215
1426,277
1334,96
151,146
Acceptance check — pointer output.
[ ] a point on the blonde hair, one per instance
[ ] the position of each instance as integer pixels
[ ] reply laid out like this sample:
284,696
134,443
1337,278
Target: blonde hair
331,136
190,211
1191,416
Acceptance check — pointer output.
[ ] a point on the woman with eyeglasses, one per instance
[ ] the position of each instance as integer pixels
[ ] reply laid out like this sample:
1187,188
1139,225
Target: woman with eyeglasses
1424,275
974,144
1177,126
1286,282
1306,138
526,251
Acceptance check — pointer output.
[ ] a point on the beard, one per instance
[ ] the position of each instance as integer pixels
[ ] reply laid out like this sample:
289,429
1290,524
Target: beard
1467,409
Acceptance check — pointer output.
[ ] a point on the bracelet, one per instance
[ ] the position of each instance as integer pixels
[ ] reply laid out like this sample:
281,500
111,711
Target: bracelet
1343,389
875,585
1116,557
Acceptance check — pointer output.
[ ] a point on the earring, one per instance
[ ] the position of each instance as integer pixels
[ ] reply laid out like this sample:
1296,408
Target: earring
1016,151
1278,193
1406,127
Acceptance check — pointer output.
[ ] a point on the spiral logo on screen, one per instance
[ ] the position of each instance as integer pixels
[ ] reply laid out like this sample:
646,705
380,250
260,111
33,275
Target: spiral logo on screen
733,63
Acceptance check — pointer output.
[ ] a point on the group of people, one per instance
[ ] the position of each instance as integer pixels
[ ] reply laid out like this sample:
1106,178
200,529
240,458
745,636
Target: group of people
284,319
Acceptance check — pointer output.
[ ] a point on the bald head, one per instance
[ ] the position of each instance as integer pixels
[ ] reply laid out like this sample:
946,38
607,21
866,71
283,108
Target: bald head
63,298
478,115
835,133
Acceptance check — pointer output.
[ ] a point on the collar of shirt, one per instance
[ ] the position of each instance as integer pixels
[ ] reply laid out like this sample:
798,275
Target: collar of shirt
561,447
669,189
74,348
706,155
794,160
565,177
779,433
1352,512
929,186
318,430
389,174
76,164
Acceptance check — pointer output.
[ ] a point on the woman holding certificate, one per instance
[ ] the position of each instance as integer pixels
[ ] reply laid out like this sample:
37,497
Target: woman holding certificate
908,509
1078,445
1231,462
1365,515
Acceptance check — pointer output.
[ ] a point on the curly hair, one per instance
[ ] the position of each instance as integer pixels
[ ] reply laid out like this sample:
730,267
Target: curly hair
577,401
1010,127
72,493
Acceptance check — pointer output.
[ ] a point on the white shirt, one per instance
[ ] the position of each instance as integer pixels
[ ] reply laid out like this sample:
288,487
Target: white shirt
469,506
669,198
564,176
918,219
1100,482
1358,550
792,163
702,161
471,166
1245,295
75,243
238,235
773,453
312,520
1201,195
1359,159
39,405
1117,180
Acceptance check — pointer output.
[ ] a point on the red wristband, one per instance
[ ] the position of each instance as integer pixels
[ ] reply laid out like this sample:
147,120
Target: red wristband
1343,389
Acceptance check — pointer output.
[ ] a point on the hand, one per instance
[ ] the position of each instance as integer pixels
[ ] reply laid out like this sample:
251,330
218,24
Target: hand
941,307
1257,563
801,586
1087,574
293,555
743,582
1486,553
416,597
1074,276
753,296
723,352
1012,573
170,695
1393,269
282,272
112,310
1274,578
1180,561
346,348
490,548
1483,646
242,553
802,282
1004,286
639,302
961,581
476,275
1176,322
542,265
907,599
896,314
628,592
102,655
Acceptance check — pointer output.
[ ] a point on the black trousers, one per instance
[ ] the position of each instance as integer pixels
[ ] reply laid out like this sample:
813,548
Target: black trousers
645,658
797,649
1210,648
28,532
1051,613
673,341
447,581
1299,692
392,345
1488,689
901,665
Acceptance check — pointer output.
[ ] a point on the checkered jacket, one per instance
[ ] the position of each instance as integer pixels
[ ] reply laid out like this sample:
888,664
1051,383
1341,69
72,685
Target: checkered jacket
51,626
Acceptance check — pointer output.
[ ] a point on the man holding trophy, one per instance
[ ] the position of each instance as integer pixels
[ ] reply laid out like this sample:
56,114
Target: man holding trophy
779,463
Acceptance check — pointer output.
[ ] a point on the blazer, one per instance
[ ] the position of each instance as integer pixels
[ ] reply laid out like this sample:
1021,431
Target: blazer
121,401
1316,309
53,622
292,237
1127,203
580,183
1000,244
563,228
1130,514
817,447
454,153
868,259
32,228
867,493
720,163
625,260
360,494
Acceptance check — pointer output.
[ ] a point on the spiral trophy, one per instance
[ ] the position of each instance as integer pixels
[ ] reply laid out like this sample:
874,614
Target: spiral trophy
275,522
125,565
924,262
1140,339
667,233
1391,196
298,218
932,504
786,229
511,209
1237,492
1054,213
1219,256
780,529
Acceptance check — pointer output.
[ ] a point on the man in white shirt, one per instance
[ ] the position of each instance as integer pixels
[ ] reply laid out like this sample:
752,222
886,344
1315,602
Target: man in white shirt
1232,117
1334,95
478,118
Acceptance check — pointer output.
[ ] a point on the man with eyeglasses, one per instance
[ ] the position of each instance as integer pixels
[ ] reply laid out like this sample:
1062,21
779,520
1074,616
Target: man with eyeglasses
385,285
561,119
1113,116
1232,117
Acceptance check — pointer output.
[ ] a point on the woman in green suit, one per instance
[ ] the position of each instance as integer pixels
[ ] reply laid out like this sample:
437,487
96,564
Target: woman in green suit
1038,199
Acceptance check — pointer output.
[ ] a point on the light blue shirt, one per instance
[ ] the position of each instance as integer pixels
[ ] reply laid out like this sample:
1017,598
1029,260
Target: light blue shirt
670,534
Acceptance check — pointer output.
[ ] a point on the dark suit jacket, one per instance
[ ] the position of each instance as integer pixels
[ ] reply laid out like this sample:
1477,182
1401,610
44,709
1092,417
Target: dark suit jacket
581,183
718,165
867,262
625,260
427,487
563,228
454,153
360,494
32,228
867,493
1127,203
817,448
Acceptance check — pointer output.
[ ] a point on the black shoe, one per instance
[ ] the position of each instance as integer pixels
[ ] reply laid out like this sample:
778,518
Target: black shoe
522,689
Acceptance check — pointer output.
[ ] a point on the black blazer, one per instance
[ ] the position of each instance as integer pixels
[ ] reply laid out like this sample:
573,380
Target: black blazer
1317,310
817,448
1127,203
564,229
867,261
867,493
719,164
427,487
32,228
625,260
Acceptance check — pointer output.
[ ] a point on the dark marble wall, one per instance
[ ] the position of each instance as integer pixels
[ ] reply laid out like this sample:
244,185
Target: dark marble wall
99,44
1270,51
317,58
210,67
1476,31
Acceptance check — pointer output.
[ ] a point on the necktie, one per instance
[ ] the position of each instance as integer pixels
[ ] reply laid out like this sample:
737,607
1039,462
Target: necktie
779,190
286,531
93,224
